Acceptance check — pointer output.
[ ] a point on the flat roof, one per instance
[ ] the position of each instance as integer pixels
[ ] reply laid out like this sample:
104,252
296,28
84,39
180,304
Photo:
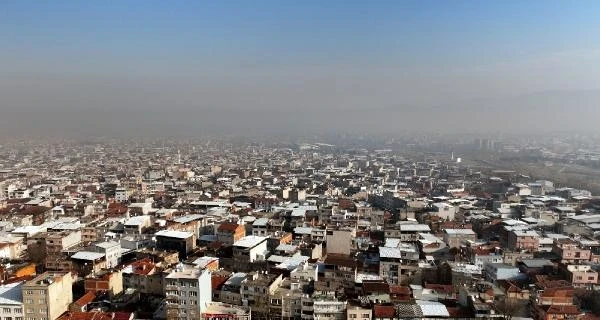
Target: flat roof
459,231
414,227
174,234
184,272
188,218
261,222
136,221
87,255
249,241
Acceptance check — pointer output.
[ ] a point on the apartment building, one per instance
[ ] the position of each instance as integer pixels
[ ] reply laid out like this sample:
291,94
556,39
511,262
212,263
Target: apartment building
112,252
256,290
188,223
359,313
570,252
260,227
501,271
11,301
144,276
248,250
329,310
180,241
220,311
454,238
47,296
228,233
581,276
188,292
397,262
105,281
137,224
527,240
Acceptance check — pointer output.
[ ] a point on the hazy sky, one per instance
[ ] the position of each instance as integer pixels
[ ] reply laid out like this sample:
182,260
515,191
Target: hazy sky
69,67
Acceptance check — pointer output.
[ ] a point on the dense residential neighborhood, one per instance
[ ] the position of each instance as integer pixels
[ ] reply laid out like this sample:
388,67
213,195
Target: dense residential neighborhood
225,230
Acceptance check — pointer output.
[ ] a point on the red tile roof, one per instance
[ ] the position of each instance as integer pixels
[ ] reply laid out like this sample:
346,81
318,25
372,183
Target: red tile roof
143,266
375,287
115,208
86,299
561,309
229,227
96,315
443,288
395,289
217,281
384,311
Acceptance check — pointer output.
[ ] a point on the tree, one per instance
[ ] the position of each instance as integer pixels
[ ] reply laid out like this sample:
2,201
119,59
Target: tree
509,308
588,300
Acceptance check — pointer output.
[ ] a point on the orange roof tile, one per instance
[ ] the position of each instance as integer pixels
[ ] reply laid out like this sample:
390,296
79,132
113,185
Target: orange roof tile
86,299
384,311
229,227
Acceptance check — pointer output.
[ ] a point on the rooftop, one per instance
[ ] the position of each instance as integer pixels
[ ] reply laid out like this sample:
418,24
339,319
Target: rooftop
249,241
174,234
87,255
11,294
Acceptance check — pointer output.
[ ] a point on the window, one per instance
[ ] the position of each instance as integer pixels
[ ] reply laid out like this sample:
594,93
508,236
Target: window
193,294
6,310
29,292
366,315
29,310
18,310
352,316
7,318
591,278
